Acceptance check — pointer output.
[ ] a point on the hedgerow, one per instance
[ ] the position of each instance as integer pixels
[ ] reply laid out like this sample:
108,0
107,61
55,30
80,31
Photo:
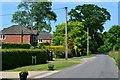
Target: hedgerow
15,46
13,58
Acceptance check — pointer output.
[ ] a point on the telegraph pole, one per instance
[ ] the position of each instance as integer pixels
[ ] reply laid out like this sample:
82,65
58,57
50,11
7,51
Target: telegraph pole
87,41
66,49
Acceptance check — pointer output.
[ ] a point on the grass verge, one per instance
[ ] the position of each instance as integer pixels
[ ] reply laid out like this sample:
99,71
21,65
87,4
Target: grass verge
116,56
58,63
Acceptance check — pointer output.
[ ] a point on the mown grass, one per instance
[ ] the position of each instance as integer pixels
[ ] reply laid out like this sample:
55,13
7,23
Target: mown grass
115,55
58,64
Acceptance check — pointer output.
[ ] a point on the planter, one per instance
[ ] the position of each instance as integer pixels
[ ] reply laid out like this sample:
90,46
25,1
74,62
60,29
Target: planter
23,75
50,67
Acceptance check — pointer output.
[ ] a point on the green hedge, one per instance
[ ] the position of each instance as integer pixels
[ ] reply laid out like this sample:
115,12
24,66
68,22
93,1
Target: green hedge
60,53
17,58
43,45
16,46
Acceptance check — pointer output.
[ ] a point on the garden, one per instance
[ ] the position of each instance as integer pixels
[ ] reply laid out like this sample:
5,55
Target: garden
18,58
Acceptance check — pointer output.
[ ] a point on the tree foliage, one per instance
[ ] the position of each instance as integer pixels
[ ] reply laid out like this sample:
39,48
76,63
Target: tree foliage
76,35
92,17
37,13
112,39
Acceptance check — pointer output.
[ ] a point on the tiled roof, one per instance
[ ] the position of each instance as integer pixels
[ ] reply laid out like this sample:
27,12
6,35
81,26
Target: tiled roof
16,29
45,36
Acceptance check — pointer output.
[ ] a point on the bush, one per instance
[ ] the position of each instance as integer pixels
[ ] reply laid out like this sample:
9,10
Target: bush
117,47
16,58
43,45
54,47
61,53
58,51
16,46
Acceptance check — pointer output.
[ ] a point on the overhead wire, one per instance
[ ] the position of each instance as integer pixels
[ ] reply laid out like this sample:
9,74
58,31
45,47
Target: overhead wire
12,14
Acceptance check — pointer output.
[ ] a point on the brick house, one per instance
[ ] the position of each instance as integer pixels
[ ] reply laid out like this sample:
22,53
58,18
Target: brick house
18,34
45,38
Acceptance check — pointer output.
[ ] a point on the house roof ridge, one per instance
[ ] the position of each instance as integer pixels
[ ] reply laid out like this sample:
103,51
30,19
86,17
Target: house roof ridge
17,29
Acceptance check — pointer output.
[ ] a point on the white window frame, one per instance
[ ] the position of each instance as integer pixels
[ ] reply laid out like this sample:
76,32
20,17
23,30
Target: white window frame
2,36
40,41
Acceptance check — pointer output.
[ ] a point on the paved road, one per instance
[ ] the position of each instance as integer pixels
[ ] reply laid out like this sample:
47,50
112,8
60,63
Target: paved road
100,67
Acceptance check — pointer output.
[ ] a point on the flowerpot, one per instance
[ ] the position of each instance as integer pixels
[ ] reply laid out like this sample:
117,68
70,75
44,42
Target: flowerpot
23,76
50,67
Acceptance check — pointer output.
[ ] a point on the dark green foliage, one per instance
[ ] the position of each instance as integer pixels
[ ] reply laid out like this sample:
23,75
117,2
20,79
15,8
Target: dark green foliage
112,39
92,17
43,45
39,13
16,58
16,46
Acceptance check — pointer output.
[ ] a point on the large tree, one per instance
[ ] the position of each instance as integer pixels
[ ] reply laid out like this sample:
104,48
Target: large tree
112,39
35,15
93,17
76,35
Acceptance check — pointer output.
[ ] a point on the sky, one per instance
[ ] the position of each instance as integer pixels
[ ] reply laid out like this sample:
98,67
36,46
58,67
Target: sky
7,8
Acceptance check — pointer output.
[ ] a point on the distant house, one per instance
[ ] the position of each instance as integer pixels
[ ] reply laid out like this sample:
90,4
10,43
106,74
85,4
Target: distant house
18,34
45,38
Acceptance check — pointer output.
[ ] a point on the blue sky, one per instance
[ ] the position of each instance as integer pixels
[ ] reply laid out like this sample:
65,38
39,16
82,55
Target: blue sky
11,7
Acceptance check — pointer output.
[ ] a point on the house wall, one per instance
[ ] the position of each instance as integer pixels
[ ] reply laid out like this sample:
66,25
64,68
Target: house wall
47,40
26,39
17,39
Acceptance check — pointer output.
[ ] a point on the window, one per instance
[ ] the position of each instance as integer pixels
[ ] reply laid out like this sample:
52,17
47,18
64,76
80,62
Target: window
2,36
40,40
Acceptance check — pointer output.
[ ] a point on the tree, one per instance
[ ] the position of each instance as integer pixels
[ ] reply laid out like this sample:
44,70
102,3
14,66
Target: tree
76,35
37,13
93,17
112,39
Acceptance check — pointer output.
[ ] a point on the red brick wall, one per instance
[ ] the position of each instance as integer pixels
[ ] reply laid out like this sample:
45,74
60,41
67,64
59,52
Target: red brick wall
26,39
17,39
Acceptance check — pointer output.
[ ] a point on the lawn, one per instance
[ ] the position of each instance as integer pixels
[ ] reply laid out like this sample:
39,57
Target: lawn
58,64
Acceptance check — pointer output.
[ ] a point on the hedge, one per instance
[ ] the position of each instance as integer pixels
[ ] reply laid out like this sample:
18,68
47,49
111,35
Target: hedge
43,45
16,46
55,47
18,58
60,53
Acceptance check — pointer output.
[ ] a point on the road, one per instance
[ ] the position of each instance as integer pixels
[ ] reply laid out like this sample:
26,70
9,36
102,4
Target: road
100,67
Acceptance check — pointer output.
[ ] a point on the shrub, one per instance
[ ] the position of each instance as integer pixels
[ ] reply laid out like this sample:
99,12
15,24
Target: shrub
117,47
54,47
14,58
59,53
16,46
42,45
